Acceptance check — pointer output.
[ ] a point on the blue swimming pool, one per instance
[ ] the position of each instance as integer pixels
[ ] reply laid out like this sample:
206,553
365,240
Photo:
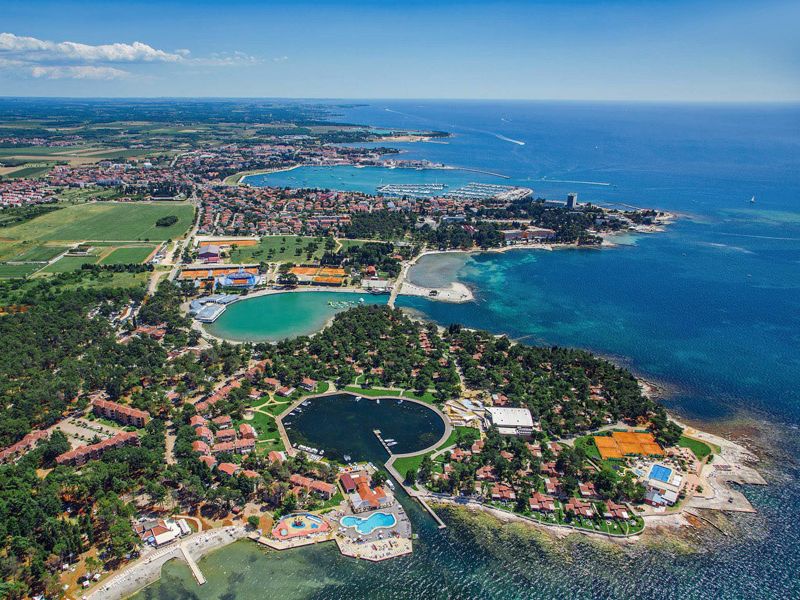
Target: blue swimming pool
367,525
661,473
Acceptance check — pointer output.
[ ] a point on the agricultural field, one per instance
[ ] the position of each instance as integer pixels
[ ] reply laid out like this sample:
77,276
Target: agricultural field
106,221
279,248
29,170
18,271
103,254
37,253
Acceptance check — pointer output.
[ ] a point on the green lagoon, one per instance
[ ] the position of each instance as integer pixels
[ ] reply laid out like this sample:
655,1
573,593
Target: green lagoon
278,316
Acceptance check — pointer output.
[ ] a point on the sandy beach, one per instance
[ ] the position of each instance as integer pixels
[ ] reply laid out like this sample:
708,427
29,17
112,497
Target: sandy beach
456,292
147,569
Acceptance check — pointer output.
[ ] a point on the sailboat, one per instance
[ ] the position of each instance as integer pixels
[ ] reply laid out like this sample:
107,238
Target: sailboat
753,200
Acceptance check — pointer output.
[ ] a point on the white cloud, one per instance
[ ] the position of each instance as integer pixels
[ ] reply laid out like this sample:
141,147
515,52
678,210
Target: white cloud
78,72
279,59
45,59
36,50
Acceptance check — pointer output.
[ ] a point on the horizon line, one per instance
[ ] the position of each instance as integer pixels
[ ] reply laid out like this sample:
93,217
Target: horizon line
417,99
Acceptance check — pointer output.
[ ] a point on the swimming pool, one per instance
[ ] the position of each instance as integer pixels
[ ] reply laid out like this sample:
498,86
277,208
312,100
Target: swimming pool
367,525
660,473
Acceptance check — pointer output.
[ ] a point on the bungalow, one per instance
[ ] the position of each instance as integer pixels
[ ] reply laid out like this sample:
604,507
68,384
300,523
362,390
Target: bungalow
503,493
285,391
247,432
348,484
226,435
326,490
271,382
276,457
308,384
229,469
542,503
197,421
458,454
205,434
587,490
223,421
615,511
209,461
200,447
485,473
579,507
552,485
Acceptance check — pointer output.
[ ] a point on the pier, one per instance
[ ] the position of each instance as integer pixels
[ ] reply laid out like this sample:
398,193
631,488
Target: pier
399,478
198,575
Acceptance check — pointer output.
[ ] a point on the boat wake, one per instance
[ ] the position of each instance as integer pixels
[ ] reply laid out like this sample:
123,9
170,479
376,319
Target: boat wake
508,139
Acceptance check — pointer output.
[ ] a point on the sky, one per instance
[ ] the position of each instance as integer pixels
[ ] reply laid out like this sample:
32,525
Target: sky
709,51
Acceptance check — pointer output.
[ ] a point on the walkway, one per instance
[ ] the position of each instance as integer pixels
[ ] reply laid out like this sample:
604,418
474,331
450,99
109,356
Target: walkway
198,574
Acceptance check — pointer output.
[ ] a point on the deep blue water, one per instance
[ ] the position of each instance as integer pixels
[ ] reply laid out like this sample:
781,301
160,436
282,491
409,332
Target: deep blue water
710,308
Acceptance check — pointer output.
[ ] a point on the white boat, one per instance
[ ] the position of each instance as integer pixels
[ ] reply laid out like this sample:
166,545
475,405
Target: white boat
378,401
753,200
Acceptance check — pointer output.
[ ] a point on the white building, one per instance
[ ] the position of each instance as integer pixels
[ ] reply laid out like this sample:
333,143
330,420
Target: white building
510,421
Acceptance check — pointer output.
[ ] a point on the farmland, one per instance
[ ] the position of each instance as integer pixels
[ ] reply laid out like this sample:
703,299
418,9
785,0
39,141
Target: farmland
106,221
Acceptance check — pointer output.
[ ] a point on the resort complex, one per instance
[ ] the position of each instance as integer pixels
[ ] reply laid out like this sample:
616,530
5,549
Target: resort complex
148,418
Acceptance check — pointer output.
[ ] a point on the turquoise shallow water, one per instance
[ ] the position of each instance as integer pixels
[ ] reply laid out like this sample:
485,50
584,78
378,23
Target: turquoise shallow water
711,307
278,316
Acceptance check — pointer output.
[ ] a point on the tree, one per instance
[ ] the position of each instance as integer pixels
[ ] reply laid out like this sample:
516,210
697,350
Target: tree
253,521
379,478
289,279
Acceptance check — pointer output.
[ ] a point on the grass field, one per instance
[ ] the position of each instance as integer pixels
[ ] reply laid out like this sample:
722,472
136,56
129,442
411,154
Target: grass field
70,263
700,449
106,221
278,248
127,255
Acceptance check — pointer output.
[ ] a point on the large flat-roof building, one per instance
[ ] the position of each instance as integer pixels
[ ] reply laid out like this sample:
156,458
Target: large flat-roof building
510,421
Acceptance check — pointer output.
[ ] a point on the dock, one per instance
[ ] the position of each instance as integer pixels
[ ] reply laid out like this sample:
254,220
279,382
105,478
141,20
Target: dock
399,479
198,575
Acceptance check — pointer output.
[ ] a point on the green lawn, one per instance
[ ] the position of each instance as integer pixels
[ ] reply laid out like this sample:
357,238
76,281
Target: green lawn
587,443
264,425
700,449
128,255
106,221
276,409
278,248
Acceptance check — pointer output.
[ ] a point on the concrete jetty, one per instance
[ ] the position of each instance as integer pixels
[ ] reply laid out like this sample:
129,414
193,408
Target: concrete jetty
198,574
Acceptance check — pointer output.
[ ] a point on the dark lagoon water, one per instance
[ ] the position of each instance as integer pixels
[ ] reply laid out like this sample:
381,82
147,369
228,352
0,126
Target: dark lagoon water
711,308
343,424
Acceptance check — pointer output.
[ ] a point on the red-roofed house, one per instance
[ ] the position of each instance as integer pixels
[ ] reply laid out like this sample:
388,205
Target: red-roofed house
228,468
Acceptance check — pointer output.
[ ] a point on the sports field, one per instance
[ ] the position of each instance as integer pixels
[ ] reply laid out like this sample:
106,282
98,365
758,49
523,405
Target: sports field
106,221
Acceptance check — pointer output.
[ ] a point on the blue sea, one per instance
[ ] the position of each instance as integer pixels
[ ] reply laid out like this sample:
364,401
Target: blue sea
709,309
